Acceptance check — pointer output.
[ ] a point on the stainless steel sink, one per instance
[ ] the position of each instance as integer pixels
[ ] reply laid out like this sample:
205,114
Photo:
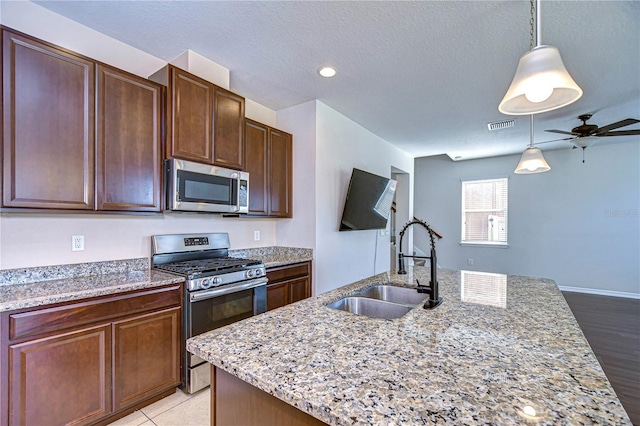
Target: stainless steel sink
372,308
390,293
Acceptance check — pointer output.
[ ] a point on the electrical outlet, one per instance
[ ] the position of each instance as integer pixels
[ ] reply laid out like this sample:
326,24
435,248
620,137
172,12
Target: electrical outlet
256,235
470,261
77,243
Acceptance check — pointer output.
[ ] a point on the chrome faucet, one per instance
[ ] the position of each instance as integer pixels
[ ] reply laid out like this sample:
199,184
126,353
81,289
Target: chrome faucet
434,299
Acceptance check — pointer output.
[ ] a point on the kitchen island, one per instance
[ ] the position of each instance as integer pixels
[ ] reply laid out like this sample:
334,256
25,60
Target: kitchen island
498,350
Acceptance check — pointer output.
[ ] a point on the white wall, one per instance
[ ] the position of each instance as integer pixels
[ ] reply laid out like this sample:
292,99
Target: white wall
39,240
341,145
578,224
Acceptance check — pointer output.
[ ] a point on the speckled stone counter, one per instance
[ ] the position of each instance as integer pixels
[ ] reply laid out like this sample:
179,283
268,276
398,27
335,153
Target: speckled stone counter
32,287
462,363
275,256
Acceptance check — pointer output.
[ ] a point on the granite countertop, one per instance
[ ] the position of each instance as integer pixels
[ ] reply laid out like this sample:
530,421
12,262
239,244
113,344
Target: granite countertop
488,351
33,287
276,255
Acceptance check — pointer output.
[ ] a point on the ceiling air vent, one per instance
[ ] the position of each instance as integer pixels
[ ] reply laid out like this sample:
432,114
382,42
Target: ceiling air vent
499,125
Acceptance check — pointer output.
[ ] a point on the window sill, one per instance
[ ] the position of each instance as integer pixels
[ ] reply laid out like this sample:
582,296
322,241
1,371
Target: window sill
488,245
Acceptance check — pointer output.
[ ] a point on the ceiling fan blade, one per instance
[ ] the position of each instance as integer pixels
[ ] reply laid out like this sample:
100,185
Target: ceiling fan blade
616,125
562,132
554,140
622,133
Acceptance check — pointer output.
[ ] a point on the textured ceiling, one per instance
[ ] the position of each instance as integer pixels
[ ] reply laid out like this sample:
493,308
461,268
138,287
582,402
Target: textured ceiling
427,76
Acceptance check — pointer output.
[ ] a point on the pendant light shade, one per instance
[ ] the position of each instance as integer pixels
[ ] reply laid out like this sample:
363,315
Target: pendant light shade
541,83
531,162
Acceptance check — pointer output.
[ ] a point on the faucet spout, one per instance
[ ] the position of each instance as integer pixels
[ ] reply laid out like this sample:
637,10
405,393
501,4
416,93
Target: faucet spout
434,298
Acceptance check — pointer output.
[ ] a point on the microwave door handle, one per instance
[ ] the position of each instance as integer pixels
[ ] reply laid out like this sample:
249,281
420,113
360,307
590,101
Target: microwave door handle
236,176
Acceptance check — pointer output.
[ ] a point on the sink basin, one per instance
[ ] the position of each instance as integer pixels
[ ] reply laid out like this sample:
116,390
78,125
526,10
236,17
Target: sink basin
389,293
371,307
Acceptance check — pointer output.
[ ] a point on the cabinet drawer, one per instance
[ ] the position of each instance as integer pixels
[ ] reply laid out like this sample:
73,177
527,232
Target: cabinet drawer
288,272
77,314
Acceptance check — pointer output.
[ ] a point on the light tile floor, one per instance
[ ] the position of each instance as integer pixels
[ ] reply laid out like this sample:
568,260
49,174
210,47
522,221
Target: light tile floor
178,409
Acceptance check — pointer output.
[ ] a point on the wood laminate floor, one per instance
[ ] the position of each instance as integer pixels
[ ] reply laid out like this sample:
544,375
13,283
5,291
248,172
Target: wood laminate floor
612,327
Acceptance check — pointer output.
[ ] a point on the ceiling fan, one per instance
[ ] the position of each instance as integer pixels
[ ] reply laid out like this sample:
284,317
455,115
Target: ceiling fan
582,136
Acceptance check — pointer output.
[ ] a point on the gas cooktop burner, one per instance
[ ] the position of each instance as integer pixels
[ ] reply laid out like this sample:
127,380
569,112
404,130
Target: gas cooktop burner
195,268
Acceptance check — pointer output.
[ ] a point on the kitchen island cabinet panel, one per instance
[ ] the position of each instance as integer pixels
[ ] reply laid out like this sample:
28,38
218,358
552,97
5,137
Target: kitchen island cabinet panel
146,356
61,379
48,126
237,403
129,142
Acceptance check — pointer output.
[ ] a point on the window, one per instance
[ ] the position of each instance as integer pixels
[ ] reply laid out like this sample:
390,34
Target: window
484,211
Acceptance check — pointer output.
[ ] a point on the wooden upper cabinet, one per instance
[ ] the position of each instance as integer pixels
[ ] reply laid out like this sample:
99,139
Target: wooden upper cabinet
280,173
48,126
190,117
129,142
228,129
256,145
269,163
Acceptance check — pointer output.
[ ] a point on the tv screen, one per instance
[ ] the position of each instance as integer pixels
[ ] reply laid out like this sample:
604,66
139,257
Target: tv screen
368,201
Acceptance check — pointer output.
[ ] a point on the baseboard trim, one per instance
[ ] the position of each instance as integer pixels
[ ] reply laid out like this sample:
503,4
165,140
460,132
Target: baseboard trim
599,292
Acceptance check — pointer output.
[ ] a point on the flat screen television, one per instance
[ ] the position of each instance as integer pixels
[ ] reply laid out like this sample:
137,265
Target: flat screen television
368,201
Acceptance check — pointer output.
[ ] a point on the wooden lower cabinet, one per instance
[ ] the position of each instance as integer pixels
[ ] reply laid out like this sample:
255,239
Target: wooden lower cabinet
90,361
63,379
146,356
237,403
288,284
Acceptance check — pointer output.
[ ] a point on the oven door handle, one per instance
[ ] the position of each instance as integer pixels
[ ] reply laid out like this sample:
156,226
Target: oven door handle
227,289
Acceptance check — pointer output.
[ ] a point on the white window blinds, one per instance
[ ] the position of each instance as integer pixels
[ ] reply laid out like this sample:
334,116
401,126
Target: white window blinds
484,211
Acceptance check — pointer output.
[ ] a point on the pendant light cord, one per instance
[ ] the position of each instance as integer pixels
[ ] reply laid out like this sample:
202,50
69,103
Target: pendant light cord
531,131
531,23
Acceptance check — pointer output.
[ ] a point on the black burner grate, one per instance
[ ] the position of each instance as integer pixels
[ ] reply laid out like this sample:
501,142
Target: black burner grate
194,268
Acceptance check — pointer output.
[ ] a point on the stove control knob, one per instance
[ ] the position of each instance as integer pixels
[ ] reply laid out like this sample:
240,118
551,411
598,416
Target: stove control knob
249,273
217,281
205,283
259,272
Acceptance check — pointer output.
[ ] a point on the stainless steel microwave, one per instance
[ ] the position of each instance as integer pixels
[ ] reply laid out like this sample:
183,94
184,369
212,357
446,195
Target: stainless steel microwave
195,187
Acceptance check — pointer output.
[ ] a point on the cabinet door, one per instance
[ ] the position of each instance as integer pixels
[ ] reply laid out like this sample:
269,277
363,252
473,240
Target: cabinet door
280,173
256,137
146,356
63,379
277,295
228,129
129,137
299,289
190,110
48,126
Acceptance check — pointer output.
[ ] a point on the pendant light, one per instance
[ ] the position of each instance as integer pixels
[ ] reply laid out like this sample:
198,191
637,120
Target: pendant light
532,160
541,83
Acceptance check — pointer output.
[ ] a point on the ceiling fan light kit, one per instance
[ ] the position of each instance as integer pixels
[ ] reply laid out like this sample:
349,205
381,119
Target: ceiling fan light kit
542,82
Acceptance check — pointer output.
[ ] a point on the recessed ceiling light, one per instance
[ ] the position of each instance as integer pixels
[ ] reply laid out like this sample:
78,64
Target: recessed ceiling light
327,72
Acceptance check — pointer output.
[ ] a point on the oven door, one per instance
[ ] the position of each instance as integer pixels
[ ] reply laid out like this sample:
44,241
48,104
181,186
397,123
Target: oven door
204,188
207,310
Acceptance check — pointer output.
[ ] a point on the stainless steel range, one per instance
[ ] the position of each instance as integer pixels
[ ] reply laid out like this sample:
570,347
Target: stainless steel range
219,290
